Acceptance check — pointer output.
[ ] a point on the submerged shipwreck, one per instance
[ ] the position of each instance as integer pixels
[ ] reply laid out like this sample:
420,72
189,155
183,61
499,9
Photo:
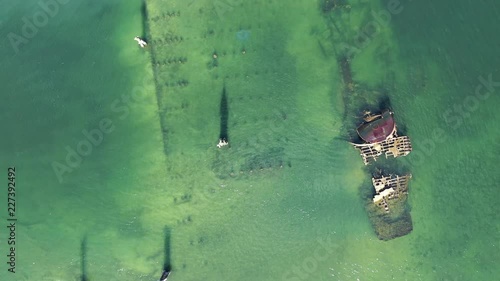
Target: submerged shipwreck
389,187
380,135
387,205
388,210
377,139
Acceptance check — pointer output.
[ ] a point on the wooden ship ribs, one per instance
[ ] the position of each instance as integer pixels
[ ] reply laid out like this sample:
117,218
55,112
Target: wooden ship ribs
380,135
394,146
388,188
388,208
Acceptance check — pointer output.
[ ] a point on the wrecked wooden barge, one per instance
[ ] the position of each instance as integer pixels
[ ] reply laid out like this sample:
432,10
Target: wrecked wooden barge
379,133
388,209
387,205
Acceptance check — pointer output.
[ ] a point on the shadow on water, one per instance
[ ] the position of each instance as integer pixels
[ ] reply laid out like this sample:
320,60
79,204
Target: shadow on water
167,268
83,253
144,13
385,102
224,113
166,250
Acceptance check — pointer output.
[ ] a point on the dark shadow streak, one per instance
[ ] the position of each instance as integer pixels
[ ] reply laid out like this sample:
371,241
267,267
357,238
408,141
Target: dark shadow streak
83,253
167,268
166,263
224,114
144,20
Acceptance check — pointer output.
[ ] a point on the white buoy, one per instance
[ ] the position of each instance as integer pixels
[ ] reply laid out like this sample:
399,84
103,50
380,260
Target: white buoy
141,42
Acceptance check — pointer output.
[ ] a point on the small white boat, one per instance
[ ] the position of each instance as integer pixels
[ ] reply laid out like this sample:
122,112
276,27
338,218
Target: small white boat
222,142
140,41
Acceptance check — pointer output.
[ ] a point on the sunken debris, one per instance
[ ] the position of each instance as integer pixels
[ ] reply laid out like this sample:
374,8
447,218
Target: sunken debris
330,5
379,133
390,188
388,208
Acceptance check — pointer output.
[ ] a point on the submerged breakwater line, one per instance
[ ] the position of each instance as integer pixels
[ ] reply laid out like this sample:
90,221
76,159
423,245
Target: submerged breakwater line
154,62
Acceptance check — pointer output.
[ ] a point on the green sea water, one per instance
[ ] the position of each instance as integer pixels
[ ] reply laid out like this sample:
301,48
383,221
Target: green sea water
283,201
